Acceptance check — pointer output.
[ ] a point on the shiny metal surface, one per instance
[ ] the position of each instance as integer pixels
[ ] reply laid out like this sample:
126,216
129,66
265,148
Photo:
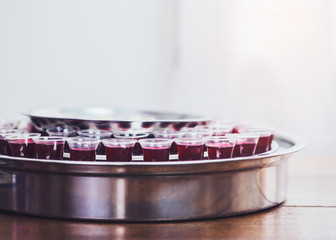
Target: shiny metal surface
141,191
115,120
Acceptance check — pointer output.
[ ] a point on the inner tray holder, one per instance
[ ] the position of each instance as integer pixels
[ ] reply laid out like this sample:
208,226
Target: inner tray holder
115,120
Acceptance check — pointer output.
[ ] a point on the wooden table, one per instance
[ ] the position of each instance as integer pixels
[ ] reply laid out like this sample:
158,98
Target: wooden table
309,213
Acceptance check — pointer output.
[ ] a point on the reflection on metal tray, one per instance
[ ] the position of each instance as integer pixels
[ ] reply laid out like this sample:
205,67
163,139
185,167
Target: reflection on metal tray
112,119
147,191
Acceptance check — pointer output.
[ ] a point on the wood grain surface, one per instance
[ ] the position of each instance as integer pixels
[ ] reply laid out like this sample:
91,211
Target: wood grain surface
278,223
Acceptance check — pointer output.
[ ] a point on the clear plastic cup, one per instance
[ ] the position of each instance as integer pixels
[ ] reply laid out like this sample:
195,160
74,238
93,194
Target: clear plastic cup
96,133
156,149
63,131
245,144
4,146
49,147
220,147
83,148
198,133
190,148
242,125
137,150
217,130
119,150
169,135
266,136
22,145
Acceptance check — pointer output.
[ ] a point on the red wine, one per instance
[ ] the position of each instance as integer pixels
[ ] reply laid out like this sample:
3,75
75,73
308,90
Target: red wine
119,154
220,151
81,154
169,135
155,154
4,147
263,144
97,134
22,148
190,152
49,150
137,150
244,149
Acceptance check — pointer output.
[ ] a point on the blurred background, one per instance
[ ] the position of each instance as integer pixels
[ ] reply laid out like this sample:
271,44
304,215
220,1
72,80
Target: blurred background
269,61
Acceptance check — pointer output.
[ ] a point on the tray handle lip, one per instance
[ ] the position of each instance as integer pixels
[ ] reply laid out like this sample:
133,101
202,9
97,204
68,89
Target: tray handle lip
298,142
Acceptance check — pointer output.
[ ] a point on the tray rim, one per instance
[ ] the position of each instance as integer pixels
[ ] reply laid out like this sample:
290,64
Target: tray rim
154,168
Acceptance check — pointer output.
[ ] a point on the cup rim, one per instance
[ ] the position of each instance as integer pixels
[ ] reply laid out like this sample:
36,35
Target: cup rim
242,135
190,141
82,140
260,132
170,134
214,141
9,131
155,142
94,132
49,139
23,136
215,127
196,134
130,135
118,142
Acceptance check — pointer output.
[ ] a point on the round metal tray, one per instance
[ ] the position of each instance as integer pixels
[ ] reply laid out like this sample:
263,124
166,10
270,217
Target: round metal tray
146,191
115,120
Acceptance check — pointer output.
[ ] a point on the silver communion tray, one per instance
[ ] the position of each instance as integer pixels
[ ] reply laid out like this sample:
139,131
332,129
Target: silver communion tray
146,191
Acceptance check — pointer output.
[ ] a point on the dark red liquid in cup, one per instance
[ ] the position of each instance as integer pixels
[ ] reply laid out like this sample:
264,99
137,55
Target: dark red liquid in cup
78,154
244,149
22,148
119,154
270,143
155,154
220,151
4,147
49,150
190,152
263,144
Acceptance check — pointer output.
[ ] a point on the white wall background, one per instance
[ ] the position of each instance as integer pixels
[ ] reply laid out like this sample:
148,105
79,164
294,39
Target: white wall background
272,61
84,53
